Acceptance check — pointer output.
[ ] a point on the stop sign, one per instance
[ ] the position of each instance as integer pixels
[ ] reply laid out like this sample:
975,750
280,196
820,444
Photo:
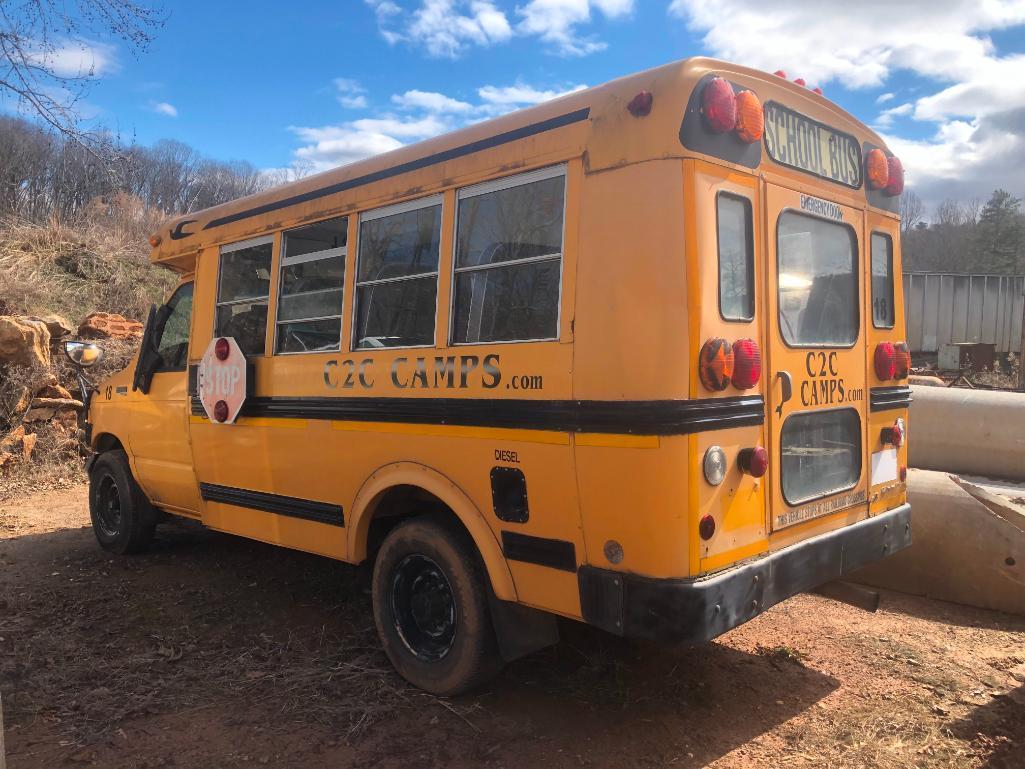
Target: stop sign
222,380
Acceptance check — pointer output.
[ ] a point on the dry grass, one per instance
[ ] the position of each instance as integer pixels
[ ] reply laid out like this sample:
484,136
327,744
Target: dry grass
98,263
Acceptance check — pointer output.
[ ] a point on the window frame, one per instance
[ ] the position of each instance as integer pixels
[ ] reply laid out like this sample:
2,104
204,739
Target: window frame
228,248
860,454
857,277
753,280
437,199
497,185
871,278
312,256
191,285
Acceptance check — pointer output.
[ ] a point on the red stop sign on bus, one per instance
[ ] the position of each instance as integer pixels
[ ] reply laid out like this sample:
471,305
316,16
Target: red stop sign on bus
222,380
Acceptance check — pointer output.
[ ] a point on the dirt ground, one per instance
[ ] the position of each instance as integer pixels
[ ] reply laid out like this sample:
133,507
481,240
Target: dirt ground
213,651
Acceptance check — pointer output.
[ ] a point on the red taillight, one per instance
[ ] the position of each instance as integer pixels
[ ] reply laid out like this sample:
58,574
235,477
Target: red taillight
640,105
719,105
221,411
895,177
222,349
903,360
716,364
706,527
754,461
894,434
886,361
750,117
747,364
877,169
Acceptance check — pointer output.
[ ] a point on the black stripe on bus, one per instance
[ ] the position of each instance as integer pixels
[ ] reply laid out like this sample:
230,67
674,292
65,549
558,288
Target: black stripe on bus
669,417
294,507
405,168
554,553
888,398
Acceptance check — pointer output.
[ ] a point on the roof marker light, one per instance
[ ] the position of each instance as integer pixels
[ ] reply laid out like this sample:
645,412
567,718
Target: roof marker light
800,81
817,90
780,73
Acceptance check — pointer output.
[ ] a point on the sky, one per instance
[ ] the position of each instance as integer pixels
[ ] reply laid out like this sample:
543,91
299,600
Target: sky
315,84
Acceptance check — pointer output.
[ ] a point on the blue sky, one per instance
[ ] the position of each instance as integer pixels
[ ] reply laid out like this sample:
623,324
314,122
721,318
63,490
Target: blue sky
321,83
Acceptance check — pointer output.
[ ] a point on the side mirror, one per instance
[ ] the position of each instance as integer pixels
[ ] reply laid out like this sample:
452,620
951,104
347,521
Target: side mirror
83,354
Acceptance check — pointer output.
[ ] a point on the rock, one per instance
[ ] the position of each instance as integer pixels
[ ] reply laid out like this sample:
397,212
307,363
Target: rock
39,415
53,391
24,342
12,439
57,325
68,418
106,325
28,443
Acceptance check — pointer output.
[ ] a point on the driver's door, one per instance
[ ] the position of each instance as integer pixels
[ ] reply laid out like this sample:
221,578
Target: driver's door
159,436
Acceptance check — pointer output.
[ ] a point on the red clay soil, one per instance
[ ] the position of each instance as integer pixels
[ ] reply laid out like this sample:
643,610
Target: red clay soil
213,651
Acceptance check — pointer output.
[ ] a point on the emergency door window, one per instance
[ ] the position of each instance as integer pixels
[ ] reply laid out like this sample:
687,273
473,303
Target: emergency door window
243,290
173,346
821,454
817,281
397,275
508,267
882,280
736,257
310,289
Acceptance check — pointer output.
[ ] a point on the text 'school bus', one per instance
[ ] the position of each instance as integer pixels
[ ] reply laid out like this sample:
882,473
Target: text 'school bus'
632,357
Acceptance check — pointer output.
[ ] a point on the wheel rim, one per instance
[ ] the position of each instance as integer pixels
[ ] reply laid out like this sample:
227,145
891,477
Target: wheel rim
108,507
424,607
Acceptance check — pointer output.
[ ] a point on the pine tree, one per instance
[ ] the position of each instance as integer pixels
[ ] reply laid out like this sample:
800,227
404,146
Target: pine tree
1000,234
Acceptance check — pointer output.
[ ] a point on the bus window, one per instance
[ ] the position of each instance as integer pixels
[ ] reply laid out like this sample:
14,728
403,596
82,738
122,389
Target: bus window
397,275
243,290
173,346
508,265
882,280
821,454
818,283
310,290
736,257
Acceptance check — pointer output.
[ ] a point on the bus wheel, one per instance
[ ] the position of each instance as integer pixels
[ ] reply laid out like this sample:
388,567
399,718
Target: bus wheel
118,506
431,608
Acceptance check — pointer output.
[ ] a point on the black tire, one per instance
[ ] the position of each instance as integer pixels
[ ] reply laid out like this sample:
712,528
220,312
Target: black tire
431,607
117,506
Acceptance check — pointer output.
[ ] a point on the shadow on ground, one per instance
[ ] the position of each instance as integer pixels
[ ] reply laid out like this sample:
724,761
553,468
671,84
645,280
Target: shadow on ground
218,651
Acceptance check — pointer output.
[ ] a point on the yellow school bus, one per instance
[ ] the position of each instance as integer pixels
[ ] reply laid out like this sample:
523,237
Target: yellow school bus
631,357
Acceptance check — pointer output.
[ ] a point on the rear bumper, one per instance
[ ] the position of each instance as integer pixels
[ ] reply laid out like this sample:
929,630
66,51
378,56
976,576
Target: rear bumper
692,611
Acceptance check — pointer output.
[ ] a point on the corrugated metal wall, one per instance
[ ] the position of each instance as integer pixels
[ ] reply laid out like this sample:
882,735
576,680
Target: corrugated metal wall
946,308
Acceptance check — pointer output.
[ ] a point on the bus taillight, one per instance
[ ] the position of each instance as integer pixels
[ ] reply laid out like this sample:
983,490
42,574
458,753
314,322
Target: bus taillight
902,360
877,169
895,177
893,435
754,461
719,105
715,367
750,117
886,361
747,364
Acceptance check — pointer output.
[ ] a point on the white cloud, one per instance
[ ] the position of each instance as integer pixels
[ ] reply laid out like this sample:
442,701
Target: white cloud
977,103
350,93
163,108
448,28
79,59
422,114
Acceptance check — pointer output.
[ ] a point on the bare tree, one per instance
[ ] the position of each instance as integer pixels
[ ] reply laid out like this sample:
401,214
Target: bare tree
912,211
45,64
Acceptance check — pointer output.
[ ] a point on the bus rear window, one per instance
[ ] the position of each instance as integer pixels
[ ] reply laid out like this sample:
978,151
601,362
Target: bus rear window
882,280
736,258
821,454
818,283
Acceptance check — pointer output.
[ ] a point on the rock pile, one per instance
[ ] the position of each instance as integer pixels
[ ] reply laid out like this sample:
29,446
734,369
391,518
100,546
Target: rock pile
33,402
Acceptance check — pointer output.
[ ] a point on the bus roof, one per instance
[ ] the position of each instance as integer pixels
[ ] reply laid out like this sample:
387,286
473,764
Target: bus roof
592,119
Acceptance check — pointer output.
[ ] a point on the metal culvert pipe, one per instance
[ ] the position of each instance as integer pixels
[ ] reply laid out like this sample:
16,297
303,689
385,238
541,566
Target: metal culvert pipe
975,432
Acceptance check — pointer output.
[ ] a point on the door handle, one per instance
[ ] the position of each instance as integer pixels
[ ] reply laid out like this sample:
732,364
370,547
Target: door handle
787,390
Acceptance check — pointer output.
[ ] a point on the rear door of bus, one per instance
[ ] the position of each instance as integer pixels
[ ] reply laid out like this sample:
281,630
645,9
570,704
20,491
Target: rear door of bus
816,377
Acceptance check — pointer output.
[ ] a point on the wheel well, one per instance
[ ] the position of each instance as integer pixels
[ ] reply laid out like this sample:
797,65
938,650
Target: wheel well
400,503
108,442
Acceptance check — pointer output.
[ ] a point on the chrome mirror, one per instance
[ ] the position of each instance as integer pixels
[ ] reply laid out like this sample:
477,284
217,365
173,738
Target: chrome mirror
83,354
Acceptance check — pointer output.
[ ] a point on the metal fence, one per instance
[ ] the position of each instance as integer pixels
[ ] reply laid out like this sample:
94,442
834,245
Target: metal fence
947,308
